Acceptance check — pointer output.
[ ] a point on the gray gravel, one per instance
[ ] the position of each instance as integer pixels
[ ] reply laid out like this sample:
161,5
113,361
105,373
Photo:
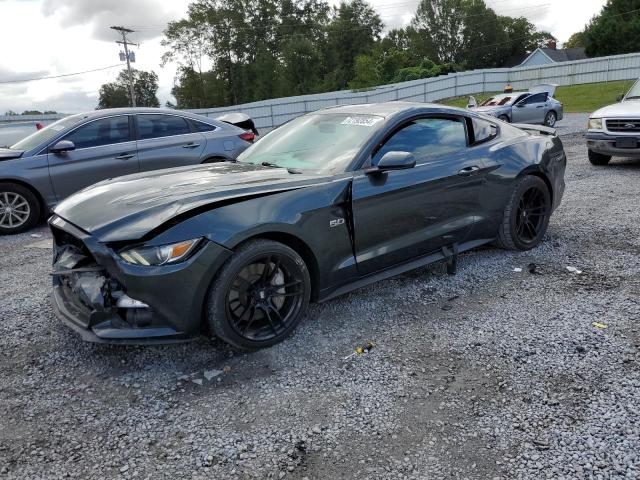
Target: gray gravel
487,374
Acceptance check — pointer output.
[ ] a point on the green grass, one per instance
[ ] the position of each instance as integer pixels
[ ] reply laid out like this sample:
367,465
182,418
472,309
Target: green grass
576,98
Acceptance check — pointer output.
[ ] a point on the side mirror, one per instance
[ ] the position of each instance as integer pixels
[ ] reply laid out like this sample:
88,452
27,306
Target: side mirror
62,146
620,97
472,103
519,105
394,161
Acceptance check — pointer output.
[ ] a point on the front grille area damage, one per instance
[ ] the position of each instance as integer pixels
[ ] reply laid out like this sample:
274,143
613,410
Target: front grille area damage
89,291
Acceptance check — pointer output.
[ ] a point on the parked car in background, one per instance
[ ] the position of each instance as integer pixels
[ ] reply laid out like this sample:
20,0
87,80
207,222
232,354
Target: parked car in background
537,106
615,129
325,204
42,169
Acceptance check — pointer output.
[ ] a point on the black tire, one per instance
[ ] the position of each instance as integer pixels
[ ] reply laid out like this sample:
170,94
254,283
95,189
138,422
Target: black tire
244,306
550,119
19,209
599,159
526,216
504,118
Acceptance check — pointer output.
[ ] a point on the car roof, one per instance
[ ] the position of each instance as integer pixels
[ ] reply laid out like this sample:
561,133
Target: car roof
132,111
388,109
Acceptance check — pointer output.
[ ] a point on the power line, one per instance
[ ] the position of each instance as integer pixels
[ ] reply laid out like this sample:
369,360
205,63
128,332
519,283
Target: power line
58,76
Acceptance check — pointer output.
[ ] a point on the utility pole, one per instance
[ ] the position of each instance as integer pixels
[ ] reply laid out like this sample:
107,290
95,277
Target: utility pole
123,31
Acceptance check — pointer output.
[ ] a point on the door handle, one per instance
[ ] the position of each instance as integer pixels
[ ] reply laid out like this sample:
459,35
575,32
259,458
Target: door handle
191,145
468,171
540,106
125,156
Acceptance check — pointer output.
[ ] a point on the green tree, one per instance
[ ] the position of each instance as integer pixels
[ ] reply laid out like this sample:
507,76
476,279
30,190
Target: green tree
576,40
615,30
365,73
354,30
116,94
441,25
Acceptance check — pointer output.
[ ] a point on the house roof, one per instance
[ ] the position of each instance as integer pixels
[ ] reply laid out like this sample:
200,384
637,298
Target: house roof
564,55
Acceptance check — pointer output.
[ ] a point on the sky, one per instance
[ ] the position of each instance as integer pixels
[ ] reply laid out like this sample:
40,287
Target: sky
55,37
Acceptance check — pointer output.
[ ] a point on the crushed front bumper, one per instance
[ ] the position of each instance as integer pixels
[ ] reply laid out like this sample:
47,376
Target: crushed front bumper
614,145
89,278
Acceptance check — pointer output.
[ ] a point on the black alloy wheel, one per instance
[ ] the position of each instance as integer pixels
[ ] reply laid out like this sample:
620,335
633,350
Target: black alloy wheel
260,295
531,213
527,215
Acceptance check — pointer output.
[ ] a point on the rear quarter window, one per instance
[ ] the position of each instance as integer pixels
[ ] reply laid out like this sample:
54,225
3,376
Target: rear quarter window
483,130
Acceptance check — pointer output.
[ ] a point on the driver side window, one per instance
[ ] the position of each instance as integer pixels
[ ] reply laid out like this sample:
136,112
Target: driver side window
426,138
105,131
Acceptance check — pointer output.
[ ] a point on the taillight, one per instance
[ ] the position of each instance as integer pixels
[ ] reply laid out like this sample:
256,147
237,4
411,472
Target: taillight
248,136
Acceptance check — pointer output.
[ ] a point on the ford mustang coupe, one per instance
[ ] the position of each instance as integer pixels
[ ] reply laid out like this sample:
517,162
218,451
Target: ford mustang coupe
327,203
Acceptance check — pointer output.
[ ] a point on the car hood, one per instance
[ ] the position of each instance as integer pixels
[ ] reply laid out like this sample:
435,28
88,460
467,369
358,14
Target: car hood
8,154
630,108
128,208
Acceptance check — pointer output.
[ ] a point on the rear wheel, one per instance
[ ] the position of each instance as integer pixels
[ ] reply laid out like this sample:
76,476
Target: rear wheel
19,209
598,158
259,296
527,215
550,119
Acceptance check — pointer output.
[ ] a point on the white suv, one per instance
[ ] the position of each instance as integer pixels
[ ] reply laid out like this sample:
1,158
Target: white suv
615,129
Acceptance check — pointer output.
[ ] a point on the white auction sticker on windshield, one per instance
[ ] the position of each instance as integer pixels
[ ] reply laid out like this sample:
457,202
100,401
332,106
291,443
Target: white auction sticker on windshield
361,121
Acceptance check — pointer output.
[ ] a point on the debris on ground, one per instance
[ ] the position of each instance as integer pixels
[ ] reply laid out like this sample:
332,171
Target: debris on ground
534,269
36,235
599,325
517,270
366,348
574,270
211,374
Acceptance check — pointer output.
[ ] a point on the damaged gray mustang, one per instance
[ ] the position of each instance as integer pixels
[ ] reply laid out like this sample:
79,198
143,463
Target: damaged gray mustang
327,203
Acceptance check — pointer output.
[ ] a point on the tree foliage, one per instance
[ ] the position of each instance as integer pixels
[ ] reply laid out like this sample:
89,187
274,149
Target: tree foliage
116,94
615,30
238,51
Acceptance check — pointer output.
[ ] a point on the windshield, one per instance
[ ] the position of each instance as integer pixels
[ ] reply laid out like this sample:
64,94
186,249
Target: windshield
319,142
634,93
498,101
44,135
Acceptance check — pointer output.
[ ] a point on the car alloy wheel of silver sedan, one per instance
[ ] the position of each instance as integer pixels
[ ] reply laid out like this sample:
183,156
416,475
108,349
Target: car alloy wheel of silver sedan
14,210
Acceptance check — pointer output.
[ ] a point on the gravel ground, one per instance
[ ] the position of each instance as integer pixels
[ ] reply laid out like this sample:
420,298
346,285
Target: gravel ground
487,374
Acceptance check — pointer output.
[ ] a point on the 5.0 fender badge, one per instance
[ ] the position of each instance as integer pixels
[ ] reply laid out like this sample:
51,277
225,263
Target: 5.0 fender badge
336,222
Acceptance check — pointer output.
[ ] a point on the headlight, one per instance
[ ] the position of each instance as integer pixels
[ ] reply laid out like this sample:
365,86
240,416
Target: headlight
162,255
595,124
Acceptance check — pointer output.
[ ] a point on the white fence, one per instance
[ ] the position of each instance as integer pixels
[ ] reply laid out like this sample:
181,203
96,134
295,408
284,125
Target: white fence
271,113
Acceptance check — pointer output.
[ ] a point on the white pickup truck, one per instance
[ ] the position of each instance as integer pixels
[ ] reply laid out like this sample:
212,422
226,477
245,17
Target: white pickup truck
615,129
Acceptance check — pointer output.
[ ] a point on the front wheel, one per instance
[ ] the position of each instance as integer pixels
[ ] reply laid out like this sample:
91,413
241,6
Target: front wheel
504,118
598,158
259,296
550,119
526,216
19,209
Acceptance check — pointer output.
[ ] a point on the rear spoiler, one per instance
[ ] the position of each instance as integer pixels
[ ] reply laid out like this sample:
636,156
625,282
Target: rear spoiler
240,120
535,128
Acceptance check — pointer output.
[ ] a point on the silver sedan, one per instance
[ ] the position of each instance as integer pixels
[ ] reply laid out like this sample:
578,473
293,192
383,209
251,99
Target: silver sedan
39,171
537,106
